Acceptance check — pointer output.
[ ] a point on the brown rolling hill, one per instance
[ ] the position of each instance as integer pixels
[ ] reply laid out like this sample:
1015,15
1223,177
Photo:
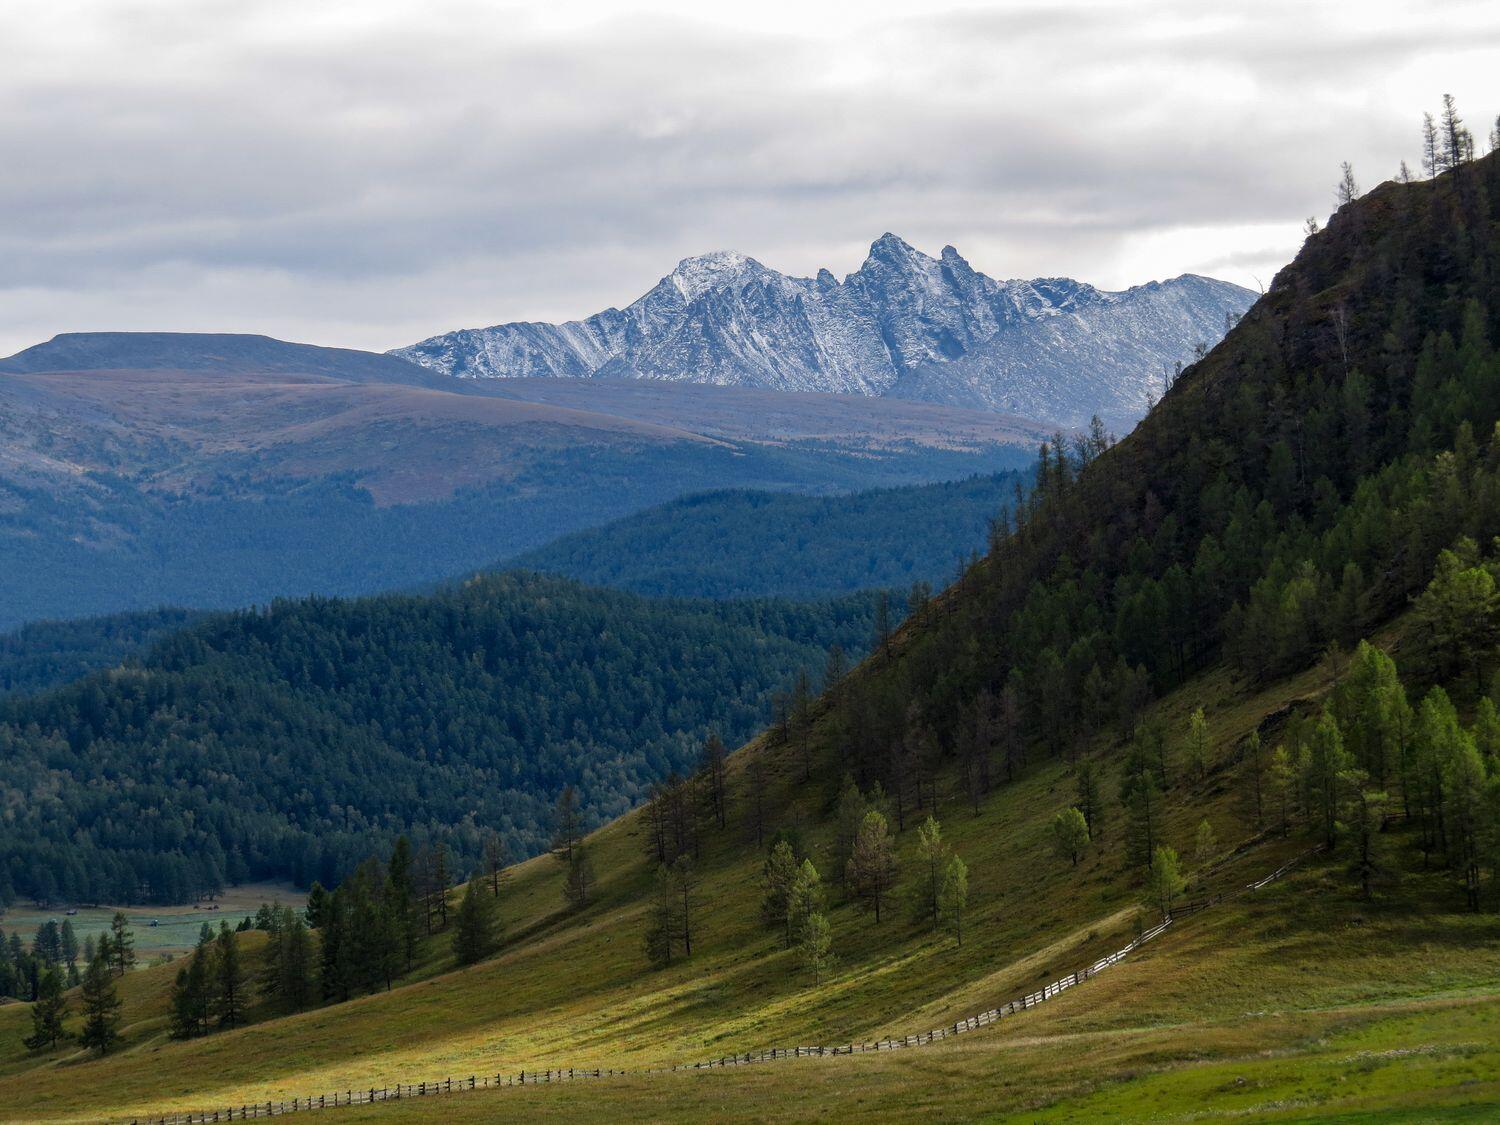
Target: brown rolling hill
138,469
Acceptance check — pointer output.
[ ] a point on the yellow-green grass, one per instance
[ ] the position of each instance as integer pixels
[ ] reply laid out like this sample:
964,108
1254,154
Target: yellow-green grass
1418,1061
574,989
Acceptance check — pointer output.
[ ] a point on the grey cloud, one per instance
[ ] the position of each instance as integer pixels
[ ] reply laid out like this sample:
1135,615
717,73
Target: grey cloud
370,182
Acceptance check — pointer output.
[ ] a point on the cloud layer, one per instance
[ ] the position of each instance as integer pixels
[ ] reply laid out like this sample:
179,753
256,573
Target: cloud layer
368,174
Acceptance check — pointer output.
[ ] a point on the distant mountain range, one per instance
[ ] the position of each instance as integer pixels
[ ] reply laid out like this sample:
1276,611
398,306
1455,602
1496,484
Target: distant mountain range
141,469
904,325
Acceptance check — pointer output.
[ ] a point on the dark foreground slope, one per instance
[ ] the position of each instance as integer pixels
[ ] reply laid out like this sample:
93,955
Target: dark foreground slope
293,742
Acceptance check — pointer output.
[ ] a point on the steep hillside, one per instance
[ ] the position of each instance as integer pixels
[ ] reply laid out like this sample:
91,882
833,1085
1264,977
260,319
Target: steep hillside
293,742
1150,677
1258,1004
252,468
904,325
756,544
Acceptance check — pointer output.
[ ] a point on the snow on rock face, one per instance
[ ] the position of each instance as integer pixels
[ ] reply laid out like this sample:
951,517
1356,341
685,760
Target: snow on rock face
904,324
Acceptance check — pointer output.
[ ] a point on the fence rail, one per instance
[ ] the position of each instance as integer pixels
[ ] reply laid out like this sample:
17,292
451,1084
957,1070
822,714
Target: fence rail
535,1077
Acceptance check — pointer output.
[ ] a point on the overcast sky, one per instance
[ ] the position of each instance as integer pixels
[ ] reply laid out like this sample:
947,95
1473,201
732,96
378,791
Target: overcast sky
370,173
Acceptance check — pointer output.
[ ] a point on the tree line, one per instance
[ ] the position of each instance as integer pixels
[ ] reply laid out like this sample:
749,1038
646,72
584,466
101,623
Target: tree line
294,742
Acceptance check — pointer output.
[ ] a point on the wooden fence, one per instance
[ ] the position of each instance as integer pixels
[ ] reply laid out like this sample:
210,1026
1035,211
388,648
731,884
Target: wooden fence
366,1096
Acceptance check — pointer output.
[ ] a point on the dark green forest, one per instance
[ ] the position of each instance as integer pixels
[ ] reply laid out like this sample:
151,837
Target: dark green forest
245,539
44,654
1332,464
731,544
293,742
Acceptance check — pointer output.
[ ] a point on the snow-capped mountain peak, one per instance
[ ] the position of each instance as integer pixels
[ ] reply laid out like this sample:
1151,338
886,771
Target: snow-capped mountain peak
697,275
905,324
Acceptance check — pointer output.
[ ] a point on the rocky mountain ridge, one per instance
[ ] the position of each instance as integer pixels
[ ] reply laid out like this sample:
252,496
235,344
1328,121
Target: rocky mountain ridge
904,325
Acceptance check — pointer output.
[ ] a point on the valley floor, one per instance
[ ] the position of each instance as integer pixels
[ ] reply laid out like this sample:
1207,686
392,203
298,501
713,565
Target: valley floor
1301,999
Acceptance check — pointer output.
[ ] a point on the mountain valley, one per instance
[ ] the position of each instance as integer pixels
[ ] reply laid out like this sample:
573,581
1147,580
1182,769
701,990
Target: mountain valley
1231,681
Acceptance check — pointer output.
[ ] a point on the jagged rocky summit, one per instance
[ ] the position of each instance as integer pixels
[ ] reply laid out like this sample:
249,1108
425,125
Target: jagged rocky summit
904,325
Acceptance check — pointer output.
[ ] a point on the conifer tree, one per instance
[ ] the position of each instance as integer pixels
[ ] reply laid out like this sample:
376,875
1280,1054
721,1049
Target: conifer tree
800,722
1437,739
1008,723
192,994
441,880
269,979
1070,834
1363,810
68,942
662,923
1431,164
1089,802
834,671
804,899
872,866
1373,713
932,861
1457,617
378,916
47,1012
883,623
1326,760
848,815
756,780
815,945
1205,842
685,880
712,769
579,884
1198,744
777,876
1456,143
495,860
121,943
1254,773
975,749
101,1008
1142,801
317,900
336,942
474,929
1348,190
1487,734
229,979
296,963
1464,783
567,825
953,898
401,892
1164,881
1282,777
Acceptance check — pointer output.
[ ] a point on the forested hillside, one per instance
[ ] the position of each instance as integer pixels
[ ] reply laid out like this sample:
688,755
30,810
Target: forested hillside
769,544
46,653
291,743
1293,490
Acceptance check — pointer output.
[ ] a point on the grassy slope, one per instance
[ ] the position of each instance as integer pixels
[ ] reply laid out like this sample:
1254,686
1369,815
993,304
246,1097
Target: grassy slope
1272,987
